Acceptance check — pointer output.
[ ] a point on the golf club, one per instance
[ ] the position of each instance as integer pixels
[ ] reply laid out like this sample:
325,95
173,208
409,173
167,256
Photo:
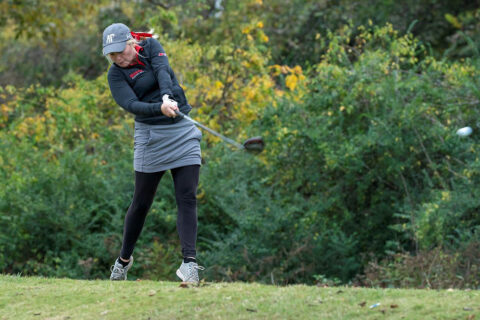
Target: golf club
254,144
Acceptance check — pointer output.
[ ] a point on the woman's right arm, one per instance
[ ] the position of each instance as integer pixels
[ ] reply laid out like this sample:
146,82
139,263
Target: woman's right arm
127,99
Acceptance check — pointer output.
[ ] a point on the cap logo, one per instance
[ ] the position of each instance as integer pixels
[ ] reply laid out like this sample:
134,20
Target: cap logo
110,38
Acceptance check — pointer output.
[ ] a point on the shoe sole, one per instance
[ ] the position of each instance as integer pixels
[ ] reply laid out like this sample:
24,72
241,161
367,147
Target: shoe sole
180,275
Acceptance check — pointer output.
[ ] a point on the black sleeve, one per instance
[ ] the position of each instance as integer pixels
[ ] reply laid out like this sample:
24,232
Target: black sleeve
126,97
160,66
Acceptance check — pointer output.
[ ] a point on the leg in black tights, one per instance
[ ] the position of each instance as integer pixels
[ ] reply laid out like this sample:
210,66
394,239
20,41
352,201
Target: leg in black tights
145,188
186,182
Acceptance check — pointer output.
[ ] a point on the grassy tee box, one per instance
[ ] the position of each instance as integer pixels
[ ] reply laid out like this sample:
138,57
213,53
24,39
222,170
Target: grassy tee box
49,298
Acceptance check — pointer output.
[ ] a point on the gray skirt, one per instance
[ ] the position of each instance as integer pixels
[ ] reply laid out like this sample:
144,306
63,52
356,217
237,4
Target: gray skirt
166,146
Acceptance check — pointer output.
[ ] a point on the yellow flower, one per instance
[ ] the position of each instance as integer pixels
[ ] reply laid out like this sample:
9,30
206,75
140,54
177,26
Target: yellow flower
276,69
297,70
260,25
218,85
291,81
285,69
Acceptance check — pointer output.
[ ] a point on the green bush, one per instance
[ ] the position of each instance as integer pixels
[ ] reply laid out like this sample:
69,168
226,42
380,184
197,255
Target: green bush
259,235
369,153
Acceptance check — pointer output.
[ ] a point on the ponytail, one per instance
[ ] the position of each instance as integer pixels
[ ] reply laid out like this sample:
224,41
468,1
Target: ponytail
139,36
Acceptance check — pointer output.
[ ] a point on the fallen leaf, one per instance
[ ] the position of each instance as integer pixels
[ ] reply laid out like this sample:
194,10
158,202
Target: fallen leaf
362,304
339,291
138,280
151,292
382,311
251,310
393,306
37,313
184,285
471,317
104,312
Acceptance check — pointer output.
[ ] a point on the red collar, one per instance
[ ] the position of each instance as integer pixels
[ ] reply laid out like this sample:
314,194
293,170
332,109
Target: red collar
137,60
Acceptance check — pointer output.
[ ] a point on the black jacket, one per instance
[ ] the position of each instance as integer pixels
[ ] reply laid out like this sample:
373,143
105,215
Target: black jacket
139,88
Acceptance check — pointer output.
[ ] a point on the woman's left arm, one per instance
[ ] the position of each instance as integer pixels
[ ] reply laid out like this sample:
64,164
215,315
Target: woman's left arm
161,68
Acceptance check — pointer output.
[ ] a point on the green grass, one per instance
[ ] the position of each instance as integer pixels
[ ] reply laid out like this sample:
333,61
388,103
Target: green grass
49,298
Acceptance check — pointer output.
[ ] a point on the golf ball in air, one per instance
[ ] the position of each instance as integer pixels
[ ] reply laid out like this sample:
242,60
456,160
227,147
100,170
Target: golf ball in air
463,132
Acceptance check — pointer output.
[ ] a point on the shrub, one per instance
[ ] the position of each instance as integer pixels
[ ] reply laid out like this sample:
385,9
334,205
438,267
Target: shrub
439,268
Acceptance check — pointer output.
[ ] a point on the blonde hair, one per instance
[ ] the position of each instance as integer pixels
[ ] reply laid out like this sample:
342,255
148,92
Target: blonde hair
131,42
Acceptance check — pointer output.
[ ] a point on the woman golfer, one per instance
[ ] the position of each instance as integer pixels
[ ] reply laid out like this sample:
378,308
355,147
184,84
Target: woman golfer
142,82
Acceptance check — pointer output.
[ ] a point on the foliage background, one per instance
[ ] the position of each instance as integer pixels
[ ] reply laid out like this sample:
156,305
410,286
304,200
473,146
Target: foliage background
363,179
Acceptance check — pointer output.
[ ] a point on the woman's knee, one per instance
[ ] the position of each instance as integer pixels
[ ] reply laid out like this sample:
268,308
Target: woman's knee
140,206
186,194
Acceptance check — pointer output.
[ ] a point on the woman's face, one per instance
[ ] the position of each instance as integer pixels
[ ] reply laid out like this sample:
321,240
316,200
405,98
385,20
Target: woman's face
125,58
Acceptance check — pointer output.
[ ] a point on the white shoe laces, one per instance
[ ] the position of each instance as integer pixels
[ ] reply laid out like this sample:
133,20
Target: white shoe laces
118,270
192,273
199,267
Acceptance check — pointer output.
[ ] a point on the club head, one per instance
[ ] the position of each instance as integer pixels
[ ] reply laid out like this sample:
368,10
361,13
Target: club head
254,144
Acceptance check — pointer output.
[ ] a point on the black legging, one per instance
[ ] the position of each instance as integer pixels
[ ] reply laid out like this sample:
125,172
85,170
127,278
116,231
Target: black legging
185,180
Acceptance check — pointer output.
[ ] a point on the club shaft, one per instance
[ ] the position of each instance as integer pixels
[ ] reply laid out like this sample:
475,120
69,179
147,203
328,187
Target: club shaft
215,133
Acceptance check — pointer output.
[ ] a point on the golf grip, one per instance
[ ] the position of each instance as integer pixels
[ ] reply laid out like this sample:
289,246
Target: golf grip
184,116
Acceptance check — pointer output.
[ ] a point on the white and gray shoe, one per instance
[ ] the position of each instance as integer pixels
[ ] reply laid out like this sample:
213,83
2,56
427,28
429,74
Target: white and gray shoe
119,272
188,272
